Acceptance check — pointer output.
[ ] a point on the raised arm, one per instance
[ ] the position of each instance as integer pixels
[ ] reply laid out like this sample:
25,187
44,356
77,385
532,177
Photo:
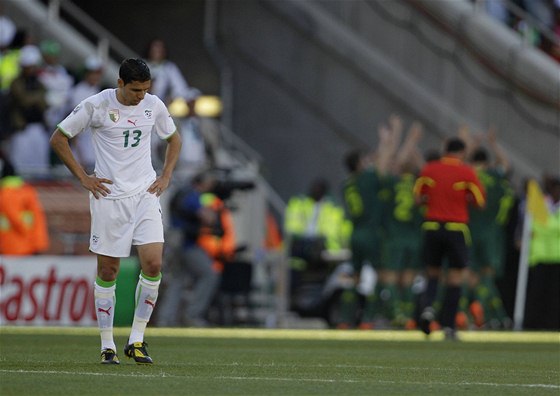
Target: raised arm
409,149
389,139
499,153
471,142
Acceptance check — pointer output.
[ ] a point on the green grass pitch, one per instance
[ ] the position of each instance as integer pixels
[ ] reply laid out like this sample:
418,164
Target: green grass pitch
65,361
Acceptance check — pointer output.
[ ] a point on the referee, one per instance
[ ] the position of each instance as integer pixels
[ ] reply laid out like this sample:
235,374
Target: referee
446,187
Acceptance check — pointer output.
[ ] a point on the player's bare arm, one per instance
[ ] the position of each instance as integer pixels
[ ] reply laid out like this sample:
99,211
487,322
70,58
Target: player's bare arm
61,146
500,155
386,147
171,157
406,152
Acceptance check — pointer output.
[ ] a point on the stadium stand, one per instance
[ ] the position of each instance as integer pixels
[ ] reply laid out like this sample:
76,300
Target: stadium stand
67,209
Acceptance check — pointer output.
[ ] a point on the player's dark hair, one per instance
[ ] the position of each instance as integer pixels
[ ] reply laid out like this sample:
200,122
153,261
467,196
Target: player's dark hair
479,155
455,145
352,160
134,70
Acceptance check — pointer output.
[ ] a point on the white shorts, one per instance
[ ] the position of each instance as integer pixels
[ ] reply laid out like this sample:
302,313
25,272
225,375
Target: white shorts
117,224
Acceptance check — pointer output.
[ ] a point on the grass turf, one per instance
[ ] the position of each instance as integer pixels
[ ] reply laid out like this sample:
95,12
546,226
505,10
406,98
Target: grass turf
55,361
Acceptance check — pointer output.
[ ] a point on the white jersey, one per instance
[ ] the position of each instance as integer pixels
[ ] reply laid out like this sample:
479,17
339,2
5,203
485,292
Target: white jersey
121,137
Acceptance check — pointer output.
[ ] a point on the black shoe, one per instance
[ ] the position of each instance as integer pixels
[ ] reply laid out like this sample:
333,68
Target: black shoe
109,356
138,352
450,334
426,318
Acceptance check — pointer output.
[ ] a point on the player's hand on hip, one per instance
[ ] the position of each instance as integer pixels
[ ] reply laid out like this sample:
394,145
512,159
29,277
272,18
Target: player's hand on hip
96,186
159,186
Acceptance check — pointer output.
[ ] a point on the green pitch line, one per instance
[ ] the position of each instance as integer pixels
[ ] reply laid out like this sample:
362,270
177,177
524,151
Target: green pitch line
299,334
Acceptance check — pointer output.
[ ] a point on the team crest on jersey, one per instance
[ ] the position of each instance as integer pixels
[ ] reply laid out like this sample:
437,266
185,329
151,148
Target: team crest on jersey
114,115
148,114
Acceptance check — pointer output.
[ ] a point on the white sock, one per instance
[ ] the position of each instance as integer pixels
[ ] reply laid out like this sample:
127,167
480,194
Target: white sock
146,297
104,293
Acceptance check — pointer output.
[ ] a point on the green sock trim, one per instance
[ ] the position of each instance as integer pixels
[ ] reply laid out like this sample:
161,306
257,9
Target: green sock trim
151,278
103,283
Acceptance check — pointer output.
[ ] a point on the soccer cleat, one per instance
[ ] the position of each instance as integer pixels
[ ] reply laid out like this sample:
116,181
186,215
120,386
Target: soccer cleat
450,334
109,356
138,352
507,324
426,318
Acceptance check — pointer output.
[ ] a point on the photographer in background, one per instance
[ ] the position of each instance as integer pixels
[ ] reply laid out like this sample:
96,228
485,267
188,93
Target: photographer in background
190,263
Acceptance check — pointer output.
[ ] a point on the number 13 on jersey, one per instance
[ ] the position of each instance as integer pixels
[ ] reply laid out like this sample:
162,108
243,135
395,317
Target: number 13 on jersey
136,134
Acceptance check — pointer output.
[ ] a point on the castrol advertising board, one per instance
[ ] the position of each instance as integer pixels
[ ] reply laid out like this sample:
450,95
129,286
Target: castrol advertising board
47,290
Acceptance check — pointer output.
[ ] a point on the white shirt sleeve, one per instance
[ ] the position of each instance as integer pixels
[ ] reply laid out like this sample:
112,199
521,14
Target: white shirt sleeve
164,125
78,120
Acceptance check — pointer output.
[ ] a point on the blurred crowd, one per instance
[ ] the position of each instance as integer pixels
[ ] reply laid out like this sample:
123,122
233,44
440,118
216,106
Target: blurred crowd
37,92
543,15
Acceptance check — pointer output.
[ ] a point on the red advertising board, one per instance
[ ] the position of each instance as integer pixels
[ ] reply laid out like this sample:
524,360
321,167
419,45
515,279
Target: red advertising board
47,290
58,290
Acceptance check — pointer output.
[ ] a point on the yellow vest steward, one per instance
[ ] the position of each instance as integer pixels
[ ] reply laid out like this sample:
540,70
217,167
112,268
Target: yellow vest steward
9,69
545,241
331,222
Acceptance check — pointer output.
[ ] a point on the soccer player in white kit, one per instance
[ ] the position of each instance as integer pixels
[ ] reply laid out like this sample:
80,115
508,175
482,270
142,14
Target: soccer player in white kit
124,193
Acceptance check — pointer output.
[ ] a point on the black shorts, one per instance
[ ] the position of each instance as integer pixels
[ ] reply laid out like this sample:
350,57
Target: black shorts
445,241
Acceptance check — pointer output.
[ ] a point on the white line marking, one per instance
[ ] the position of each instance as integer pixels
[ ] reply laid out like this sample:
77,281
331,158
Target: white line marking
162,374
